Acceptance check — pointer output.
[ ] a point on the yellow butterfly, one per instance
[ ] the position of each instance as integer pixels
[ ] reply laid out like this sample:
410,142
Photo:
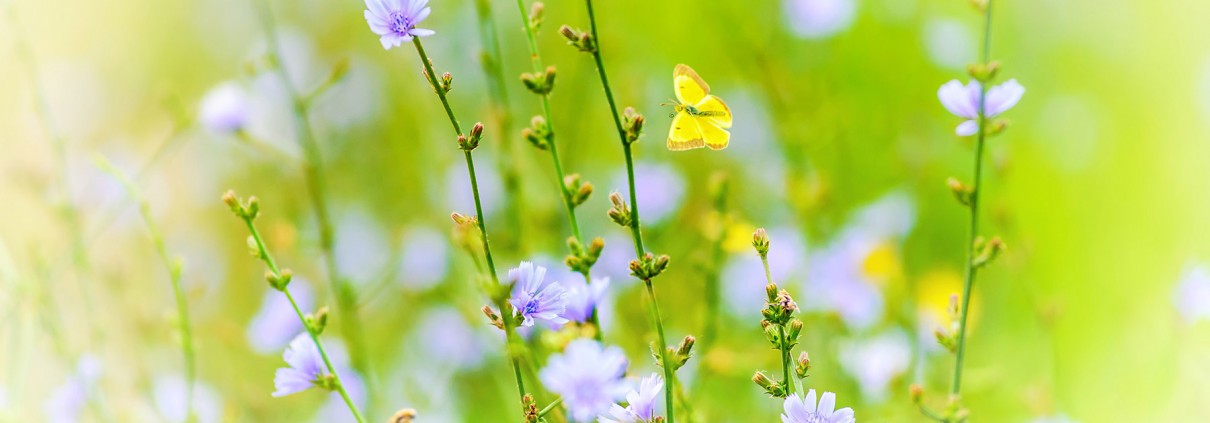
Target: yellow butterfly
701,119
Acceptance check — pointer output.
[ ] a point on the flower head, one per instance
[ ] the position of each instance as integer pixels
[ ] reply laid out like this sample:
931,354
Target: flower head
805,410
306,367
225,109
534,298
583,298
963,101
641,403
816,19
395,20
588,376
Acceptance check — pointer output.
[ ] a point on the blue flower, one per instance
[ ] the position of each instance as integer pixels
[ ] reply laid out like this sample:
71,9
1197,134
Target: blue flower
588,376
395,20
225,109
534,298
306,367
583,298
640,404
806,411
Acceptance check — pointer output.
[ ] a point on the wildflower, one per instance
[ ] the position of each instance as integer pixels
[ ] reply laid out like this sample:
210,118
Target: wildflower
225,109
306,367
640,404
395,20
583,298
805,410
963,101
534,298
588,376
815,19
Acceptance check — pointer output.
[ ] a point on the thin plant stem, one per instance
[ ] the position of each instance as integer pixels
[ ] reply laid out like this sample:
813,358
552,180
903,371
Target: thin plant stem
263,254
786,361
553,147
505,308
69,210
971,269
498,93
550,407
635,227
314,175
174,274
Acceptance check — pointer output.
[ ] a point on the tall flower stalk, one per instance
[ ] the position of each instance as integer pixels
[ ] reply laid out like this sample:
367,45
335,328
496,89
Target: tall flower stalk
780,326
629,126
493,71
541,134
979,105
173,265
468,142
279,279
346,298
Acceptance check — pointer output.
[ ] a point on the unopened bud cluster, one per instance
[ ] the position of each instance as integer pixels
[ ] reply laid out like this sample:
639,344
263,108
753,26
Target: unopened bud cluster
679,355
649,266
468,142
541,83
441,85
539,133
948,338
317,322
581,40
986,251
247,210
532,415
582,258
632,124
575,190
619,212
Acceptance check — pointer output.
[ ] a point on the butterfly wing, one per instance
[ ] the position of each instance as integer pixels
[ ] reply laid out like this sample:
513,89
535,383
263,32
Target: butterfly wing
716,110
685,134
688,86
713,134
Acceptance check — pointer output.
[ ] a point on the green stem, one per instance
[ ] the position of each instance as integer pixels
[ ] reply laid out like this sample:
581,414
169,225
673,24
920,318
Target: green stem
971,270
174,275
786,361
635,227
505,309
313,174
263,254
550,407
498,92
669,378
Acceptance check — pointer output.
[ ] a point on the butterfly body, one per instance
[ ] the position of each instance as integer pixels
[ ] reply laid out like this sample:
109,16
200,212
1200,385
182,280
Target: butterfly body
699,119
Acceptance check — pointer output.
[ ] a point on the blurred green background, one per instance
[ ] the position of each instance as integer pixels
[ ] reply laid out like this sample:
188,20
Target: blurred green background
1097,312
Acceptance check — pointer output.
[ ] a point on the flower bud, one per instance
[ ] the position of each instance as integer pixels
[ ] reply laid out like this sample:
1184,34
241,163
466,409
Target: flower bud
771,292
802,365
570,34
916,392
447,82
620,212
232,202
987,251
962,193
686,346
536,13
795,330
760,241
632,124
403,416
252,210
492,317
770,387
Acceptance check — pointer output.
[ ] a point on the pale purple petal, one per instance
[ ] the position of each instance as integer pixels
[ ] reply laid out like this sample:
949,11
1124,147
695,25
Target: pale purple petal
1002,97
967,128
958,100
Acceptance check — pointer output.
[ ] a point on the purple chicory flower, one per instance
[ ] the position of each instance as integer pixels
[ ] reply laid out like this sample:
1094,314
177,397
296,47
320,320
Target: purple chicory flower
583,298
395,20
225,109
306,367
805,410
963,101
588,376
275,325
535,298
640,406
